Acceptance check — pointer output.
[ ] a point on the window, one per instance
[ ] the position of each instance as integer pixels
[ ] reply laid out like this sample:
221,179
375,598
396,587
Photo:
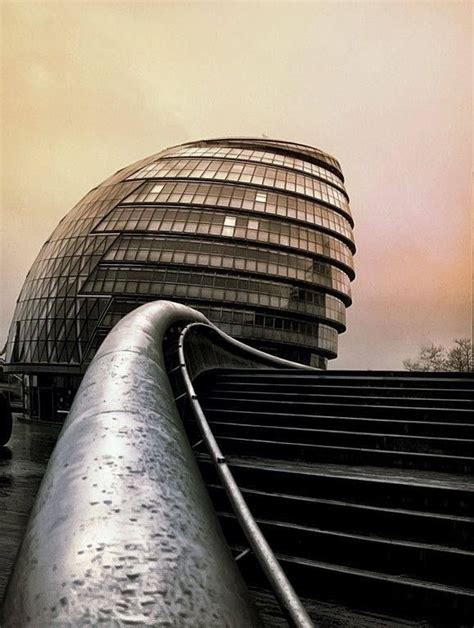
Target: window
229,225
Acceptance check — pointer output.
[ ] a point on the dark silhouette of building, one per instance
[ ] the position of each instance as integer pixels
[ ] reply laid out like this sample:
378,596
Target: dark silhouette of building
254,233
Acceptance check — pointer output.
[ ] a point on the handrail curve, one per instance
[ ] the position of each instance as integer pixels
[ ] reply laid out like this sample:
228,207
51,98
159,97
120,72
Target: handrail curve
123,530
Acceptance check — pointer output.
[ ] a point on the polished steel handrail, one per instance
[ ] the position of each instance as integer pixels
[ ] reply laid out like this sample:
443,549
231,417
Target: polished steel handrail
284,592
123,529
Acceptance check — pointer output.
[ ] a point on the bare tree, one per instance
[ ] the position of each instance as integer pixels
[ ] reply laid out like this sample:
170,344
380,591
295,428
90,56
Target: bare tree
438,358
459,358
431,358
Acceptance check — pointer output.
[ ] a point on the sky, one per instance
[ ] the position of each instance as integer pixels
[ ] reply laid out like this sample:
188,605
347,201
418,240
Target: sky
385,87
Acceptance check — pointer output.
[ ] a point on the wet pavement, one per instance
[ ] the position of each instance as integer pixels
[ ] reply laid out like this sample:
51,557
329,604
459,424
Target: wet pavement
22,465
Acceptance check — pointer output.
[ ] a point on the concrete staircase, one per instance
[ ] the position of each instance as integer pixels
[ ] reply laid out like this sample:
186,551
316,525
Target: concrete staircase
362,482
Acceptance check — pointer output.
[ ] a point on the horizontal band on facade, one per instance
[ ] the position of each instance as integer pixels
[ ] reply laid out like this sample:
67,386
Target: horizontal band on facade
317,172
225,198
300,185
171,284
290,148
295,238
312,284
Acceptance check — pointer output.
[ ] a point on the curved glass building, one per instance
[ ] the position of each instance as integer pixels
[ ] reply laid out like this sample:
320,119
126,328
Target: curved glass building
254,233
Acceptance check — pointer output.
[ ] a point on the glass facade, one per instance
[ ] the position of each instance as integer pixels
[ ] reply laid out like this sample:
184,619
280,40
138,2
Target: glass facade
255,233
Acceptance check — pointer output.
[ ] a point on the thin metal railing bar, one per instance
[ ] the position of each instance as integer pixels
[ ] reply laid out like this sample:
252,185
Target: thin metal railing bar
286,595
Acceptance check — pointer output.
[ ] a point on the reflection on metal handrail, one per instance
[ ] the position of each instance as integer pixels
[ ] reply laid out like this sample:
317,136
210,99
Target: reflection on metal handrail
288,599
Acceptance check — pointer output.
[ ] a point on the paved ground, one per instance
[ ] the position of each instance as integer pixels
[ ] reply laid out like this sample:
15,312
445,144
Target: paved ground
22,464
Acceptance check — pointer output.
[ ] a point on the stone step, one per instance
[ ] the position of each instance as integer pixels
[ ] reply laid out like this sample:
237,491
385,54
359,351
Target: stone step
431,564
338,438
425,603
343,516
358,388
304,452
440,493
429,413
348,423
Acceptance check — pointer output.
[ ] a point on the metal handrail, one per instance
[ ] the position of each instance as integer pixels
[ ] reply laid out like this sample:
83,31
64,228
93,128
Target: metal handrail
122,488
284,592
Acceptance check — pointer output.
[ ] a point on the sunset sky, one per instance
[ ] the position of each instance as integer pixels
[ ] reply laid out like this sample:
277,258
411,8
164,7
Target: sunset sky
385,87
